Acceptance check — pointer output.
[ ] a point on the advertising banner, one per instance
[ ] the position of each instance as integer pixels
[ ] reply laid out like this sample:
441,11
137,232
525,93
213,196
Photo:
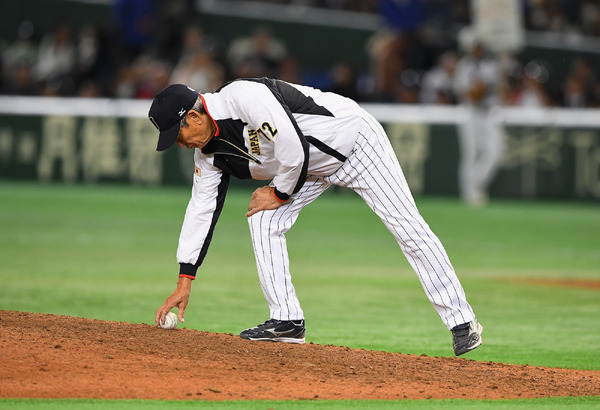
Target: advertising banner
547,157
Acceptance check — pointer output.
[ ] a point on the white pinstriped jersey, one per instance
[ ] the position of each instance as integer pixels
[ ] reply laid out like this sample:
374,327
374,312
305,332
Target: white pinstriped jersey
266,130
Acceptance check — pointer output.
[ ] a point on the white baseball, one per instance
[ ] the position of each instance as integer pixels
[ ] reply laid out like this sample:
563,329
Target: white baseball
170,321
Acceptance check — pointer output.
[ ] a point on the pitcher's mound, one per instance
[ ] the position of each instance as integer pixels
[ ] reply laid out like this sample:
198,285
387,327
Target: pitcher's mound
49,356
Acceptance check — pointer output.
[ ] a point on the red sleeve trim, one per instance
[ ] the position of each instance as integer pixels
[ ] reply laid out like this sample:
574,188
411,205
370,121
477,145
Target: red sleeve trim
206,109
187,276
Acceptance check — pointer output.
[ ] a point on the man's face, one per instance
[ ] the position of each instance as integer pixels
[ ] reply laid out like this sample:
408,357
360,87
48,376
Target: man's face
196,130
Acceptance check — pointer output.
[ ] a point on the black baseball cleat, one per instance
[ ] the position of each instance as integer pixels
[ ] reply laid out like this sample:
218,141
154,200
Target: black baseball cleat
286,331
466,337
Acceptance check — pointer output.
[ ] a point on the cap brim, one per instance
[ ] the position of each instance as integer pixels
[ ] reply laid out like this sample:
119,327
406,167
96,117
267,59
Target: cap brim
168,137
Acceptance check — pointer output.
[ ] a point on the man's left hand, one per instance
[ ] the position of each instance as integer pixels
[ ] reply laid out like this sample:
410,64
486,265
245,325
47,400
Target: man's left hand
263,199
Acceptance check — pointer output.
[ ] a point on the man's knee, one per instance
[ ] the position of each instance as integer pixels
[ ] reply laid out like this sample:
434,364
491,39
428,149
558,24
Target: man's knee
261,221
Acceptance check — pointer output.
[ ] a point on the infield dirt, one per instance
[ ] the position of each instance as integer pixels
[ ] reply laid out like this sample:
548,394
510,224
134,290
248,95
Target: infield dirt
49,356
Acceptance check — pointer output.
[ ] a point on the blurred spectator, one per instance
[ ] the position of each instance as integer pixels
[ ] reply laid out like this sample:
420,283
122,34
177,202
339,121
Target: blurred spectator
581,85
23,51
397,53
152,75
135,21
19,80
172,18
344,81
401,64
199,70
193,38
405,19
56,61
438,83
590,17
480,135
127,81
409,88
197,66
525,87
546,15
256,56
88,48
89,89
574,93
532,93
385,52
17,62
290,70
396,61
95,60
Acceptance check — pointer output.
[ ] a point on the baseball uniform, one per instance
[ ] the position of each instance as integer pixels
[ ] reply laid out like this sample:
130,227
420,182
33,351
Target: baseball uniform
304,140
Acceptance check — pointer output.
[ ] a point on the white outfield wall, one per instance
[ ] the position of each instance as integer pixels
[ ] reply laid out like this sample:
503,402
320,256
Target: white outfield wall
386,113
551,153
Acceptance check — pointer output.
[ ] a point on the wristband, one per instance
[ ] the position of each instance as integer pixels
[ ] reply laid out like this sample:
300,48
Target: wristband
187,270
281,197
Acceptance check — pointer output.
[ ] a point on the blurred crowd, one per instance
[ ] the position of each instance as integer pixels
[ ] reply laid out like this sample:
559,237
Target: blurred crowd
149,44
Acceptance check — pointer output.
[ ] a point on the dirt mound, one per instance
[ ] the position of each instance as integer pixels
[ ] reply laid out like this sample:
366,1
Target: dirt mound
49,356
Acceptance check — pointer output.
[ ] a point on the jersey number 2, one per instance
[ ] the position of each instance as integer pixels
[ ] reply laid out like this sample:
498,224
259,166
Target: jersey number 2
267,127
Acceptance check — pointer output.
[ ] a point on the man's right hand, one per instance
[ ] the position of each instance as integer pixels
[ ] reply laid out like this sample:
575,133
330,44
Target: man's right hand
263,199
179,298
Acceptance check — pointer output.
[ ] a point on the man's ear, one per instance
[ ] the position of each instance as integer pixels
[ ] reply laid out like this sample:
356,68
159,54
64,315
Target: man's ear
195,116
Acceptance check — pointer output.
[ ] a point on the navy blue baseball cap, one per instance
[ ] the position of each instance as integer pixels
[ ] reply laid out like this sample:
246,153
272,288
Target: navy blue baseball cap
169,107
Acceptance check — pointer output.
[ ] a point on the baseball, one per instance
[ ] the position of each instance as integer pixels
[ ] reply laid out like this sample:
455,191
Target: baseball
170,321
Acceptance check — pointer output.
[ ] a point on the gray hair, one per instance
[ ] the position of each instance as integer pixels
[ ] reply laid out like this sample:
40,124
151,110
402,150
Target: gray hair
199,106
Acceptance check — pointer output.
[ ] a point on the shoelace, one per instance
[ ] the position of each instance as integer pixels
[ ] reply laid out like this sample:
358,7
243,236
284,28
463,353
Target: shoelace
267,323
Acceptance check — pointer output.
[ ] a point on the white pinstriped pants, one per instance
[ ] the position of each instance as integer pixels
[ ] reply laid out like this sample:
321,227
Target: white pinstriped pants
372,170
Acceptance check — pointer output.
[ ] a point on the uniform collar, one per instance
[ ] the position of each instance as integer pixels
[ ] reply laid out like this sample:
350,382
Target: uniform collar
209,114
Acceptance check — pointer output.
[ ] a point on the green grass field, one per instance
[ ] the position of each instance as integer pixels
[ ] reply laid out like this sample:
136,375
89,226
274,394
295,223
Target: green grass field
108,252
